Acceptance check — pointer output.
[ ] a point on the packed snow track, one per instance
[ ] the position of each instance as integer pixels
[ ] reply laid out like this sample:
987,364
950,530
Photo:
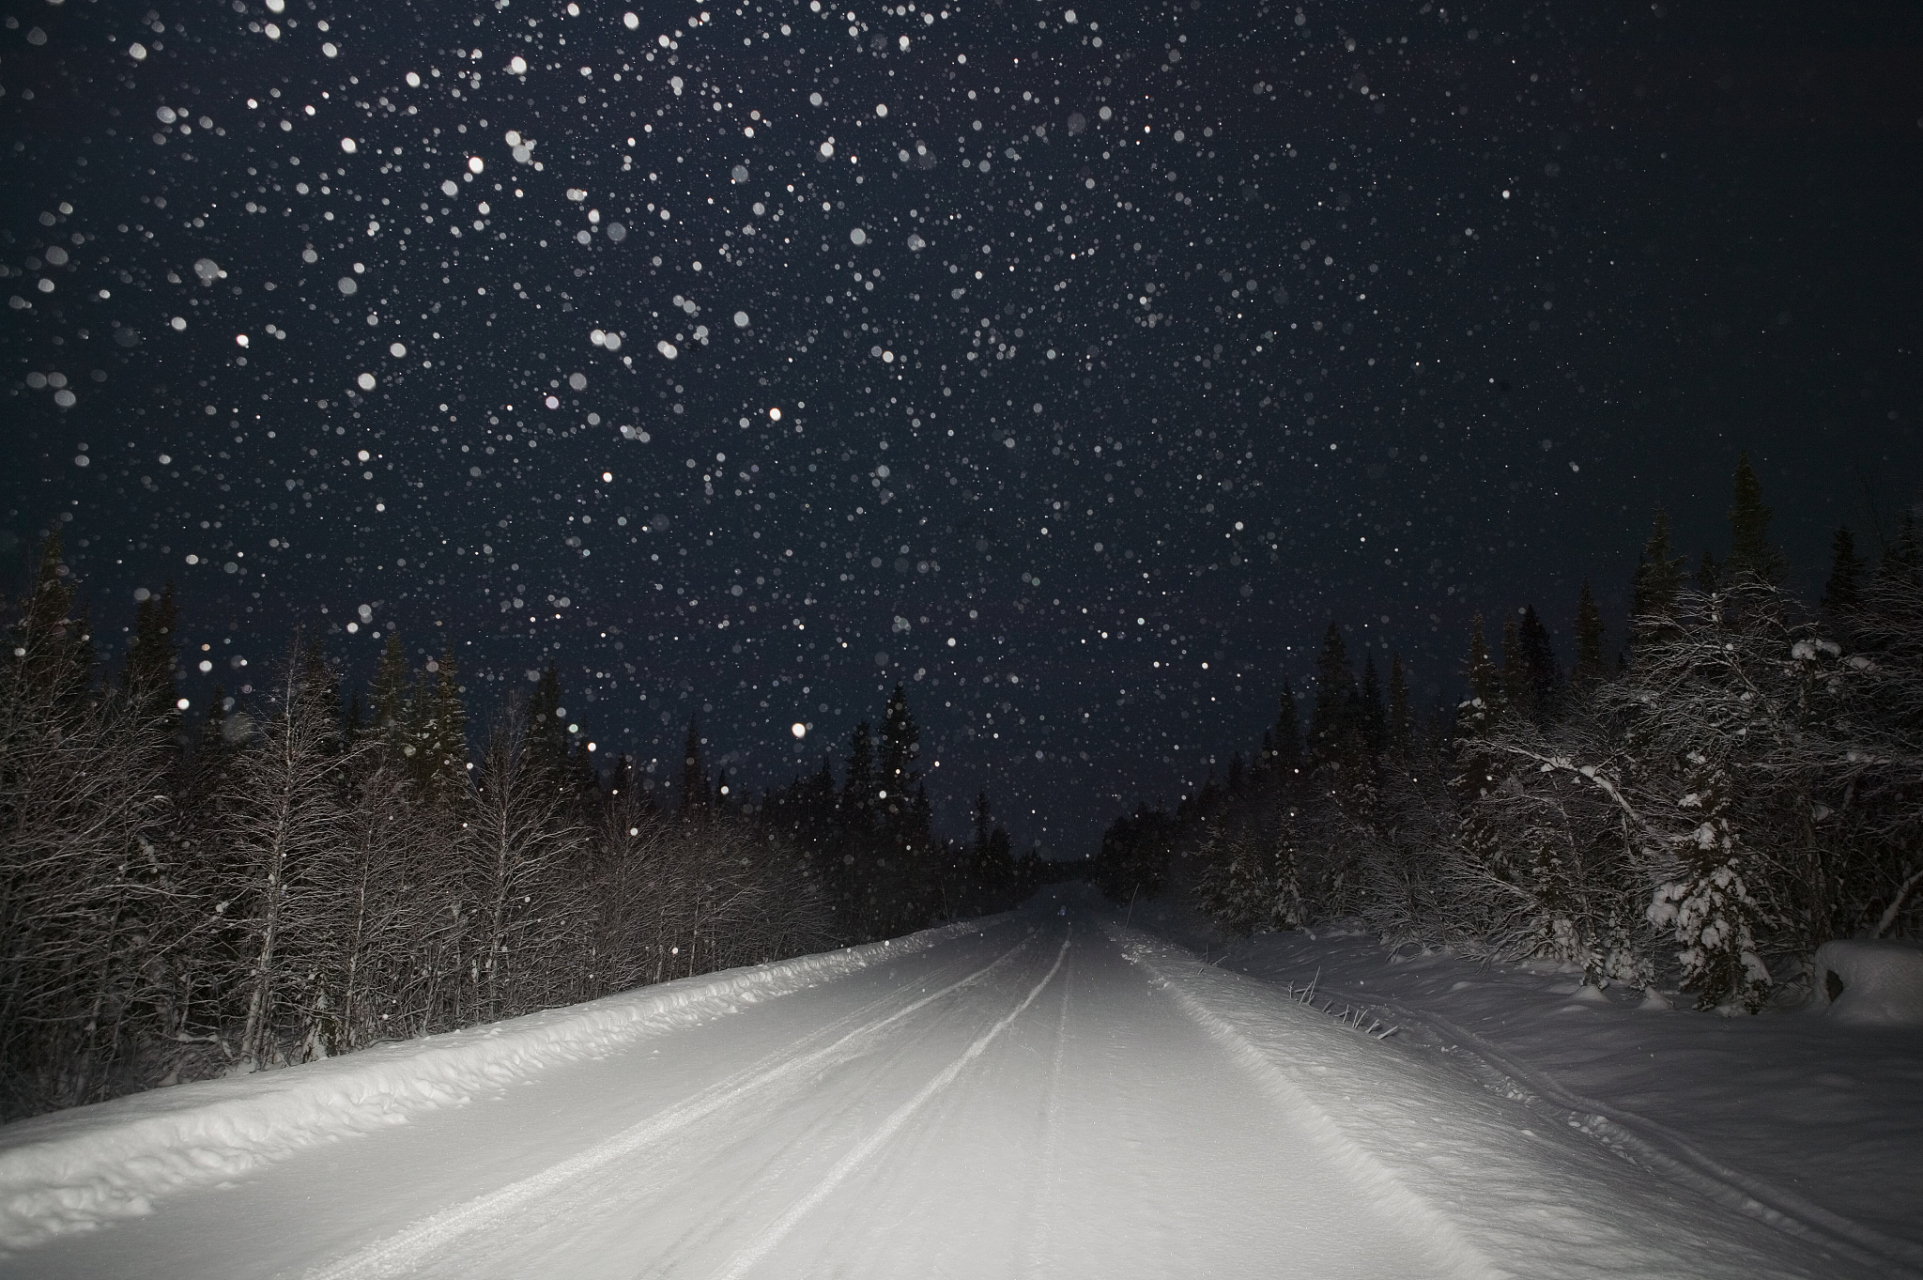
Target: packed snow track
1045,1094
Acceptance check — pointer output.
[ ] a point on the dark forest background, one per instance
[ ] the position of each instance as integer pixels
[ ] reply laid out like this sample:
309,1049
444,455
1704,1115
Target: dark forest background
1697,804
311,872
1738,782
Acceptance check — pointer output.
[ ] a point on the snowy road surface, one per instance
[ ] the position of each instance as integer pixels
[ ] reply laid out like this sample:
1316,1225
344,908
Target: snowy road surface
1046,1095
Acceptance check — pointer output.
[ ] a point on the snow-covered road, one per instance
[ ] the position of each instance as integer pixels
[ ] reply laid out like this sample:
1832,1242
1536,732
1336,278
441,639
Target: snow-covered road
1049,1094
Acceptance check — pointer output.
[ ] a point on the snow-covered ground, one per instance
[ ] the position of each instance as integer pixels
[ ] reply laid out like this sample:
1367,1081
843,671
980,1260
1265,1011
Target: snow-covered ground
1048,1093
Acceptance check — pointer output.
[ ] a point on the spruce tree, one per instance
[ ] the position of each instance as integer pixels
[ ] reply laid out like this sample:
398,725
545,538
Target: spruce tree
900,745
205,780
1334,691
52,649
1517,692
694,773
1659,577
1285,740
1709,574
1902,558
439,766
858,785
1750,552
1589,638
1375,725
547,726
1479,710
1401,714
321,675
151,658
1843,592
1541,672
818,803
389,696
583,780
921,822
622,780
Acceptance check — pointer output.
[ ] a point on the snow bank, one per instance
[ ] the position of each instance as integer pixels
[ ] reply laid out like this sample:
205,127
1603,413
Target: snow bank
1874,983
77,1169
1593,1188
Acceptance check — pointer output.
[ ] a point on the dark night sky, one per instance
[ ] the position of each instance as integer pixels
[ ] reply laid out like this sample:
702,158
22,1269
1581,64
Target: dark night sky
1114,358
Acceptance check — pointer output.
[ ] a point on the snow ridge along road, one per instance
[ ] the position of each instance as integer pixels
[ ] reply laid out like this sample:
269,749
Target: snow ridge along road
74,1170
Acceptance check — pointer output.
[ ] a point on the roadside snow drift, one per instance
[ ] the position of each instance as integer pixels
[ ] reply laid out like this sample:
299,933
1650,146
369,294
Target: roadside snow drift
77,1169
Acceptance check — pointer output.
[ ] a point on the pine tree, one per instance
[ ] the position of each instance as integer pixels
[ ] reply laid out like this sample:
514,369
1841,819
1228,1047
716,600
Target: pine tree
1750,552
1401,714
1659,577
1334,692
1843,592
1589,638
1374,726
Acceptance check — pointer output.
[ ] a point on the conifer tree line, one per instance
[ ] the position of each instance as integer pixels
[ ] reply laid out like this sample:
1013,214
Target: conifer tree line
303,876
1740,784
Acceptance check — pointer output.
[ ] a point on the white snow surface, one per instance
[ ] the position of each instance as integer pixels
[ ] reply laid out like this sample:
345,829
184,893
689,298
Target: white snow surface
1881,980
1066,1090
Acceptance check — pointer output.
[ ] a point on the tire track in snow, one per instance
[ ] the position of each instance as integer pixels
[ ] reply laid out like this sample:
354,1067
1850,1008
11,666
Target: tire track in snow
1051,1135
415,1245
765,1243
1451,1248
835,1111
